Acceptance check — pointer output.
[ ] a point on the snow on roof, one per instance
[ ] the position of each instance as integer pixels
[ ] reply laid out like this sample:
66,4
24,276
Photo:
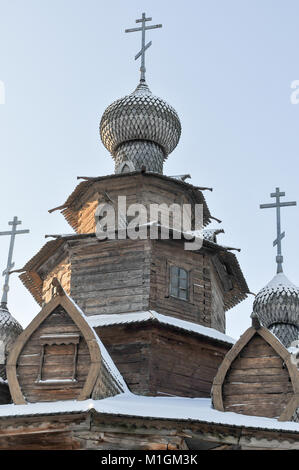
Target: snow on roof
113,319
105,355
173,408
281,282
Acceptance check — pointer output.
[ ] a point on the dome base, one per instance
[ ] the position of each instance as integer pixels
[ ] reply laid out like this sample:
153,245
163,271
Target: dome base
139,153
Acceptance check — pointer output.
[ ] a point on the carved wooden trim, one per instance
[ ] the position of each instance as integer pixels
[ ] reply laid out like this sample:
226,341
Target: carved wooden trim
87,332
66,338
232,354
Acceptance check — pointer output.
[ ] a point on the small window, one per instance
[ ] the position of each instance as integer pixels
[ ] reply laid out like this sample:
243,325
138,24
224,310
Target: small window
178,283
58,359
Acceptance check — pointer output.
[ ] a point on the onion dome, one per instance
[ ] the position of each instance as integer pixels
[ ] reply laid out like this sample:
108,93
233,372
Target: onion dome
140,130
9,331
277,308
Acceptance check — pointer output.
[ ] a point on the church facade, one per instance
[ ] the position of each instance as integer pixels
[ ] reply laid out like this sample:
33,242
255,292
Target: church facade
129,349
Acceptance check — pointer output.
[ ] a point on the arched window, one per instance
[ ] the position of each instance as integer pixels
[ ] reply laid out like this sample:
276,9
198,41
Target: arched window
178,282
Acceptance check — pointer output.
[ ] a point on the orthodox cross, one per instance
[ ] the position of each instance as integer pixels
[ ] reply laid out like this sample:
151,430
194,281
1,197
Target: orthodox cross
10,264
144,46
278,204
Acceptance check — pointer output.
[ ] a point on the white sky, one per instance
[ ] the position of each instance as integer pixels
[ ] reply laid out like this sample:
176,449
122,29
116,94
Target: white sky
226,67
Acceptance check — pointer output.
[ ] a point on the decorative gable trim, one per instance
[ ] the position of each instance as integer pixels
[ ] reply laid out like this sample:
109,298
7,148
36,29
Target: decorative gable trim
95,353
217,388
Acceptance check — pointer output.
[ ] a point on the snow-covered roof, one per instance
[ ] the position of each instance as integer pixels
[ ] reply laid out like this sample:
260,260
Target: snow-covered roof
151,315
281,283
171,408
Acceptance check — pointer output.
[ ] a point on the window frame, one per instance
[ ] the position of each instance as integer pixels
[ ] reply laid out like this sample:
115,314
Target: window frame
169,294
58,339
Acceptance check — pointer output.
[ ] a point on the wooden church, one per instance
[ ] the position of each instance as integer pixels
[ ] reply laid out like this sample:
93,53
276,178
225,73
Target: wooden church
129,349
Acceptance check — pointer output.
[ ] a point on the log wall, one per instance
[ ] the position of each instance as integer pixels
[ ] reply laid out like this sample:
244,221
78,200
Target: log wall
122,276
161,361
258,383
205,298
111,276
137,189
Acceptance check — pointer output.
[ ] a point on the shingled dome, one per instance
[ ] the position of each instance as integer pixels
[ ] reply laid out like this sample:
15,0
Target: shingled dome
277,308
9,331
140,128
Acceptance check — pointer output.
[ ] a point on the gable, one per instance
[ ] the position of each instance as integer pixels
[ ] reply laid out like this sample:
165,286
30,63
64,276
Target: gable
59,357
258,382
54,362
257,377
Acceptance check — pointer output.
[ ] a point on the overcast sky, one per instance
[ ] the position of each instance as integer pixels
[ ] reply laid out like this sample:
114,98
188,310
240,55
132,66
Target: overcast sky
225,66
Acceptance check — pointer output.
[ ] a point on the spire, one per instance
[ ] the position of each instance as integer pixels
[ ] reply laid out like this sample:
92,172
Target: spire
278,204
144,46
10,264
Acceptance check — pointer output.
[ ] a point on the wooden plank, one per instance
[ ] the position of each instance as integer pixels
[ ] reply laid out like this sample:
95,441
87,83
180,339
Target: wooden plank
257,378
251,388
257,398
261,350
257,363
265,371
255,409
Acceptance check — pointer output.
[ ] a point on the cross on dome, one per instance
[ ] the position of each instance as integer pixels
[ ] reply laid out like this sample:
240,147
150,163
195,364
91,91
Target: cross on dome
280,235
10,264
144,46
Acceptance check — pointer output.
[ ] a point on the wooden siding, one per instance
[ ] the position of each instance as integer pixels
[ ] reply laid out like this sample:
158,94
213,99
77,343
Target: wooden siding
198,306
159,360
129,347
111,276
56,363
122,276
257,383
137,189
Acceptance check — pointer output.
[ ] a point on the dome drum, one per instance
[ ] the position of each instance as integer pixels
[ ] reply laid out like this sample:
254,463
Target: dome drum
140,153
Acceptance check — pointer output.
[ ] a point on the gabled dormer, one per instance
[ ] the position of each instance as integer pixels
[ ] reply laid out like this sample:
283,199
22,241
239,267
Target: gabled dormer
257,377
60,357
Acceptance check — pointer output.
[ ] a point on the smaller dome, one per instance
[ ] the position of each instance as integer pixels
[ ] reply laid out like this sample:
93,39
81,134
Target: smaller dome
140,117
10,329
277,308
